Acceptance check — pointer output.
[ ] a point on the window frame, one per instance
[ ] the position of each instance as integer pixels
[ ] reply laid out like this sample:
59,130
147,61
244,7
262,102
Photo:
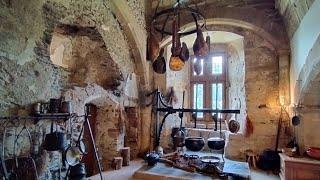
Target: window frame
208,78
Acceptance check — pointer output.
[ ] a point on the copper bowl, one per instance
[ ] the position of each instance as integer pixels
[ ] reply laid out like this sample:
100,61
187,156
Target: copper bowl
314,152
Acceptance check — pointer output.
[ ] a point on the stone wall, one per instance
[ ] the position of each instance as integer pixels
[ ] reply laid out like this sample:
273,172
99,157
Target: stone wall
28,74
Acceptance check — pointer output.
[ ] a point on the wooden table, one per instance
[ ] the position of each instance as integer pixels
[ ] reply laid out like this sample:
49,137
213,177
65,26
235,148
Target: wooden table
299,168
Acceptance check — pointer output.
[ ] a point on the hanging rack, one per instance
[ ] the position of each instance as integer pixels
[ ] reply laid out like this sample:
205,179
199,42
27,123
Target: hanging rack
163,107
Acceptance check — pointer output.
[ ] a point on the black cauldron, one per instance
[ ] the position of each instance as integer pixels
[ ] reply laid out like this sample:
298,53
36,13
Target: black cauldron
194,143
78,172
216,143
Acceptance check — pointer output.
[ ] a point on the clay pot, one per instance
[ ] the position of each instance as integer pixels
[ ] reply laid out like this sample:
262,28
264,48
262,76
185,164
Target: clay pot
194,143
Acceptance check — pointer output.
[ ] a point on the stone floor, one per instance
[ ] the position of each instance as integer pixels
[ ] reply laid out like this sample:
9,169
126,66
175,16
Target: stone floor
126,173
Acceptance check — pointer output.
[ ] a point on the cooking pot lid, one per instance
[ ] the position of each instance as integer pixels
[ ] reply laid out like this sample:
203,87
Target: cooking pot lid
209,159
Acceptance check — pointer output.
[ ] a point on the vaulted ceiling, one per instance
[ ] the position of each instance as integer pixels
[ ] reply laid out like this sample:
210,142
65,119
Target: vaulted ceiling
291,11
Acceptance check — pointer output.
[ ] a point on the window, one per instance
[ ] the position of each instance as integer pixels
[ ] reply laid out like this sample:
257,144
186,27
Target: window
208,88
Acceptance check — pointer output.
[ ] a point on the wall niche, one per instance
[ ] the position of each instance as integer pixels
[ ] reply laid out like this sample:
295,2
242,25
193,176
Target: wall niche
83,53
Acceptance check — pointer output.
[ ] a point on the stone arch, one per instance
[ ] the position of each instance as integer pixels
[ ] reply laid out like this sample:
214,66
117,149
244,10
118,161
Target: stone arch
271,30
307,93
307,90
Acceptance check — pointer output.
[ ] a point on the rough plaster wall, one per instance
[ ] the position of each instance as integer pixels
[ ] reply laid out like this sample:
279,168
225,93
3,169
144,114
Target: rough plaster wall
236,77
26,72
76,51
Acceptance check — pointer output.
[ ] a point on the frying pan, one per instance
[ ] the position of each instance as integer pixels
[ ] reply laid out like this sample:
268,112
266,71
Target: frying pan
54,141
73,155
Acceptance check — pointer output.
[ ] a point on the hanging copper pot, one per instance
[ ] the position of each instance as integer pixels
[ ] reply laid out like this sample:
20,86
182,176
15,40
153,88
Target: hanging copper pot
159,65
152,47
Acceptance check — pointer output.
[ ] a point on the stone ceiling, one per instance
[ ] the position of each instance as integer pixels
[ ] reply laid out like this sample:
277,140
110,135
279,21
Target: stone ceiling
293,12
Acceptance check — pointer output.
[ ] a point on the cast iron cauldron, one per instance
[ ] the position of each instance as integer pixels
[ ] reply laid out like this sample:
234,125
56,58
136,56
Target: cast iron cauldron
194,143
78,172
216,143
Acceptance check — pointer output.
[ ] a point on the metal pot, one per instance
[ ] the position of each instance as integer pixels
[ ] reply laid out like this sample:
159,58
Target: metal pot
54,141
295,120
179,138
78,170
152,158
175,130
54,105
194,143
66,107
216,143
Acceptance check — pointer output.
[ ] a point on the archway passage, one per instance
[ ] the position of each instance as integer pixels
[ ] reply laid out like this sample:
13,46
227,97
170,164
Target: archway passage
82,52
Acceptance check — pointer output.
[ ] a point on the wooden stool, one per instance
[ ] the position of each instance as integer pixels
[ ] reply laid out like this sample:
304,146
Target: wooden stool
251,158
117,163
